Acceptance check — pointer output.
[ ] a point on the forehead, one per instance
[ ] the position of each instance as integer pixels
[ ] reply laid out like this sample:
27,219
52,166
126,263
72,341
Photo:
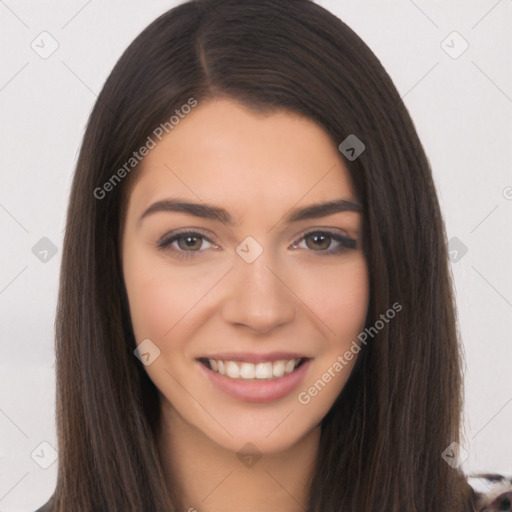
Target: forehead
224,152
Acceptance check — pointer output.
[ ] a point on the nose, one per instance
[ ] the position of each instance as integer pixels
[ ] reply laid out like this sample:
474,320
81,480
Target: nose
259,295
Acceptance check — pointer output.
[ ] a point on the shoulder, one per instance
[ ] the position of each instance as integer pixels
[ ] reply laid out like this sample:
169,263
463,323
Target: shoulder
493,491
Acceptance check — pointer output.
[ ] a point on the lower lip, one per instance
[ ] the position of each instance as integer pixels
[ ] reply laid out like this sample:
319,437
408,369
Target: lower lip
257,391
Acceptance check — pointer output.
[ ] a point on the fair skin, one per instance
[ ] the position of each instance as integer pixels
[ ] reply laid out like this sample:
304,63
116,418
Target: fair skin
293,298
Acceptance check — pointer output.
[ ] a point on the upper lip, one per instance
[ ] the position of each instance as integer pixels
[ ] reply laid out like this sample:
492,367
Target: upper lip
254,358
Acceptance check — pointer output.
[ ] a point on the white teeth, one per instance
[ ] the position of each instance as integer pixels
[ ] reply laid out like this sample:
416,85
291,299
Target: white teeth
289,366
232,370
264,371
278,369
249,371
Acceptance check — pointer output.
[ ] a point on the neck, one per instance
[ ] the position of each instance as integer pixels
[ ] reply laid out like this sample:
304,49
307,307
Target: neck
211,478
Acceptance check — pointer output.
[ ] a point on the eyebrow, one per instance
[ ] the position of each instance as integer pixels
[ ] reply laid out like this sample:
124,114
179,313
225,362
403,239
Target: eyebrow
217,213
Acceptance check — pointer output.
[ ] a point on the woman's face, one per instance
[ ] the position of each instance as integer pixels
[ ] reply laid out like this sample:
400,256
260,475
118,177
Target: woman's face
260,289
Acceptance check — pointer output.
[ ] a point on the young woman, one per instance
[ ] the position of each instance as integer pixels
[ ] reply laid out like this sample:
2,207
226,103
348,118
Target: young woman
255,310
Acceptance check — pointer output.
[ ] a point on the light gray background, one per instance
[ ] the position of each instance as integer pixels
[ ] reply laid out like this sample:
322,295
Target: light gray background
462,109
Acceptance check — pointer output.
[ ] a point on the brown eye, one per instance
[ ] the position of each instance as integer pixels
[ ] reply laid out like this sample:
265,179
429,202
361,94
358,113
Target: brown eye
184,244
319,241
191,242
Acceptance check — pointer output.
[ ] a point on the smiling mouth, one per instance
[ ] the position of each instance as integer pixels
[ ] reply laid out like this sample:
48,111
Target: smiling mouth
265,370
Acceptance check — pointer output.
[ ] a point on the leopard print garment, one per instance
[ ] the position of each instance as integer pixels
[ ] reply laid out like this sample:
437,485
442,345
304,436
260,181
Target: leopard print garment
493,492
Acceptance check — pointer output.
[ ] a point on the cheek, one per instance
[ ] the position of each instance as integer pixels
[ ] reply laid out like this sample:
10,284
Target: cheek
338,295
153,295
151,308
161,295
163,298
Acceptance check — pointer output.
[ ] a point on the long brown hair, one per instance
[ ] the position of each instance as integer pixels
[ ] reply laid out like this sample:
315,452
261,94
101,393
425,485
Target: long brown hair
382,441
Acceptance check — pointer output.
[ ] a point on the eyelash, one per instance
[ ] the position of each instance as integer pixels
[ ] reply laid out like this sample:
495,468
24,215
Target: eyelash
346,243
